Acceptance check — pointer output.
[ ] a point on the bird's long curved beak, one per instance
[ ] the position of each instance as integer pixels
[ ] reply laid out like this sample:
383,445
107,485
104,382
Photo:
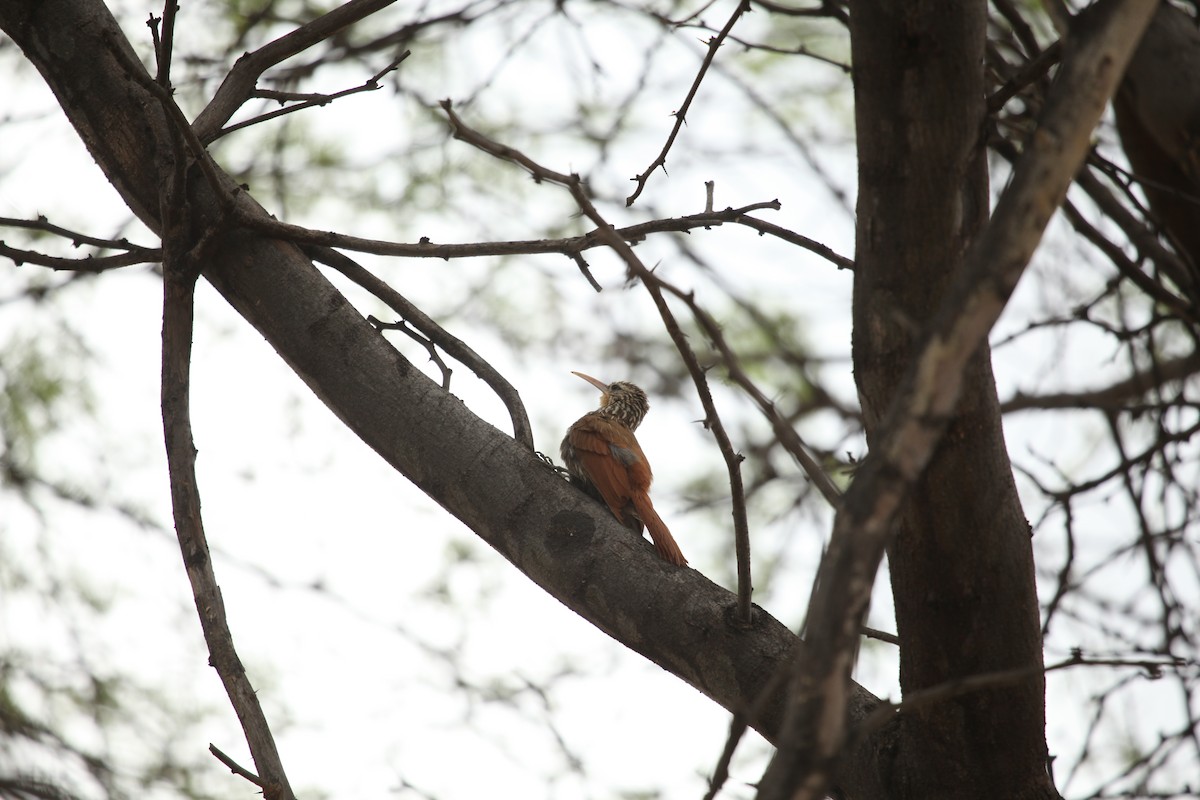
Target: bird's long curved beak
601,385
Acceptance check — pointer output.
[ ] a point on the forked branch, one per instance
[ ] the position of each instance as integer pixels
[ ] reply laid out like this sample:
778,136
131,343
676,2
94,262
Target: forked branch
241,81
437,335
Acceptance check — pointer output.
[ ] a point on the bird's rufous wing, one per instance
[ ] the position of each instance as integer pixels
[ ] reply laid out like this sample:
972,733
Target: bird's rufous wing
612,460
617,467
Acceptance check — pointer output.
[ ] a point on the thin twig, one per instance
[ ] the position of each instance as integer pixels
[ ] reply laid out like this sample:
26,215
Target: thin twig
241,81
1115,396
737,729
85,264
308,100
833,9
794,238
797,50
164,46
881,636
712,421
990,680
714,44
787,435
586,270
454,347
430,347
570,246
234,767
41,223
1031,72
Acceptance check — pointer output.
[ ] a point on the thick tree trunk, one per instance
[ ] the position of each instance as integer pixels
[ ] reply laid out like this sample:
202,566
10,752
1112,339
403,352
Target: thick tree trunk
961,562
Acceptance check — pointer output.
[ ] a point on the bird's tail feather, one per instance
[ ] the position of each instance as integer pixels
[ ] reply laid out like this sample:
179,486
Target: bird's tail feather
664,542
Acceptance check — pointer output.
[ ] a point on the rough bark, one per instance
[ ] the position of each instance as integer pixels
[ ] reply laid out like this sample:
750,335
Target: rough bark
558,537
961,562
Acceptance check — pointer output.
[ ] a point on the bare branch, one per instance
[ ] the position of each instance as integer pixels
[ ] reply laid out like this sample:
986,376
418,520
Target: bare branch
569,246
86,264
786,433
241,81
794,238
185,498
1020,27
415,335
1114,396
309,100
1140,235
884,712
1033,71
712,421
164,46
737,729
835,9
714,44
77,238
455,347
234,767
1171,263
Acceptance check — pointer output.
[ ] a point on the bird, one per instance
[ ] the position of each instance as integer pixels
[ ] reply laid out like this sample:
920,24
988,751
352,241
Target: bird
603,457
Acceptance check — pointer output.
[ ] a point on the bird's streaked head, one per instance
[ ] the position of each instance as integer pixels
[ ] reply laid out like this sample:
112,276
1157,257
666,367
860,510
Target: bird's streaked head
622,401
